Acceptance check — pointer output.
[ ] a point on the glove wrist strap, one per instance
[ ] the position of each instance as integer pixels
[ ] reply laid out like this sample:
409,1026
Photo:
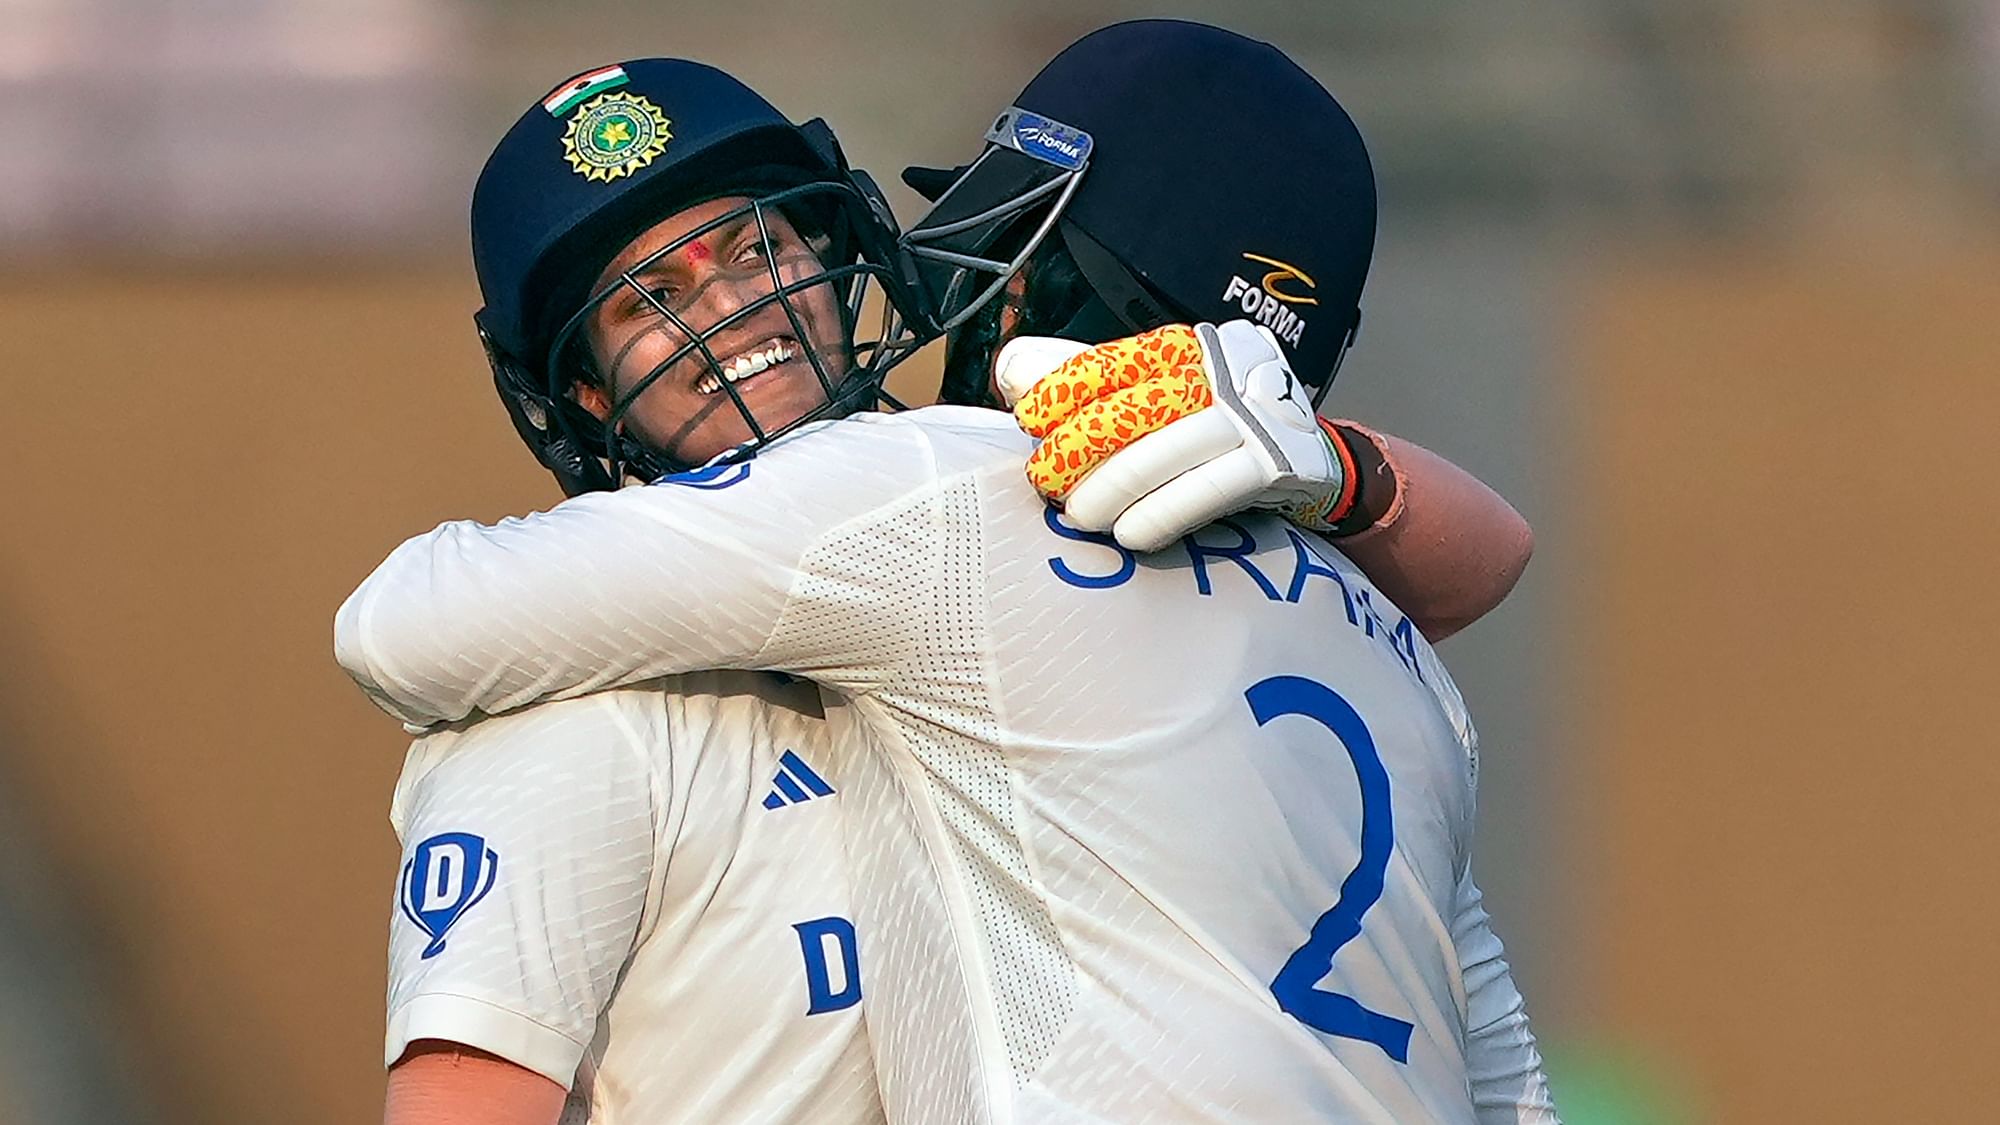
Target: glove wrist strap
1327,515
1377,491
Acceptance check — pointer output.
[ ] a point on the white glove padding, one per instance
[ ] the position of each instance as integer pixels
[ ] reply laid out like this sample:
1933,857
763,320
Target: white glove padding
1259,446
1024,361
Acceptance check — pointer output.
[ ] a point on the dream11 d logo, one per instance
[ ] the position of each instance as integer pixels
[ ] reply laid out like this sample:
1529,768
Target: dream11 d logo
444,878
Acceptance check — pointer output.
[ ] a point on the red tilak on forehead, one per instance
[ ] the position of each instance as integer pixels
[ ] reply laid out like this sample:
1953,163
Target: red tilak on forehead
696,252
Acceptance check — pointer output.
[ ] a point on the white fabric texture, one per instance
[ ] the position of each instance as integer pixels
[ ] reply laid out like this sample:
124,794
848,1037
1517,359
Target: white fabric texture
1503,1064
638,942
1071,798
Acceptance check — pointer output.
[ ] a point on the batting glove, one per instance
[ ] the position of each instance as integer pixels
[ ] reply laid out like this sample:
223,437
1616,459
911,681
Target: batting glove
1155,435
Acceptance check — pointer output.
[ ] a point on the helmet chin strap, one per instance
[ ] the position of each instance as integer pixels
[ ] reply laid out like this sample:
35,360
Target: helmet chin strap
1340,357
1095,323
1116,287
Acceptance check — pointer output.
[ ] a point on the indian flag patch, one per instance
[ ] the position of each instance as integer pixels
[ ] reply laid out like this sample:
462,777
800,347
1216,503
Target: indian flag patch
571,93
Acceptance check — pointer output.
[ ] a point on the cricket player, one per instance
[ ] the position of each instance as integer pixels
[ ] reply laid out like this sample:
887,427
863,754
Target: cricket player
633,906
1037,963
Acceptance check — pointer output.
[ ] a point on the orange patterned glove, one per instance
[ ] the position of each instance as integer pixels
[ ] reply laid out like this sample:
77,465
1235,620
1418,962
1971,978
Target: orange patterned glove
1102,400
1153,436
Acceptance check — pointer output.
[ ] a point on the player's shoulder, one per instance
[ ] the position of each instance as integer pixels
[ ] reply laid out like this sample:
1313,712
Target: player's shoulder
619,722
559,756
931,440
845,465
970,428
648,729
645,714
708,707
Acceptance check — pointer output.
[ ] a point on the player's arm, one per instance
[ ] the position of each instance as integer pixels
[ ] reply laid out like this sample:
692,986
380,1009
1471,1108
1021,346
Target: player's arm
528,861
687,574
1502,1063
1442,545
442,1083
1153,436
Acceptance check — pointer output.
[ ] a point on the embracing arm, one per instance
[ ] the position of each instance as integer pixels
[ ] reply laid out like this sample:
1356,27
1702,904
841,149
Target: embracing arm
472,617
1441,544
695,572
1155,435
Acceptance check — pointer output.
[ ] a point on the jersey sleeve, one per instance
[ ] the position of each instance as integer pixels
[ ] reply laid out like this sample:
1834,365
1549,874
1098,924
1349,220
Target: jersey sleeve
1502,1062
696,571
528,861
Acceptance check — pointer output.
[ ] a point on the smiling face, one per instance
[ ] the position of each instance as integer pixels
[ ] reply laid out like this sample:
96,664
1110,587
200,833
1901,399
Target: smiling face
678,405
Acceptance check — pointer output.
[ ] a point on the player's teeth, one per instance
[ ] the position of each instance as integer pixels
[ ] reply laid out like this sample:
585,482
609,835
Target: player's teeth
746,365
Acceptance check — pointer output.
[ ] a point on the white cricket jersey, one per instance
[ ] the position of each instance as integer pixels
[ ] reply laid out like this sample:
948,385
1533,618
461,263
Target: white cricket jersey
640,895
1177,837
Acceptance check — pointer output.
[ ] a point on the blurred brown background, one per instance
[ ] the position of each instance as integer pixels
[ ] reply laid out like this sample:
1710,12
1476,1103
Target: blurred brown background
1708,289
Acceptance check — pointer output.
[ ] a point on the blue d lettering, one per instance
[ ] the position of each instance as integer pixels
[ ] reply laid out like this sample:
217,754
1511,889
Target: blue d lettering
814,936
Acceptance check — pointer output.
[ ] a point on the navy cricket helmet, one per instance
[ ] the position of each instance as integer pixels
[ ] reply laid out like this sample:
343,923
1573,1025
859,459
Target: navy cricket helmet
1188,173
603,159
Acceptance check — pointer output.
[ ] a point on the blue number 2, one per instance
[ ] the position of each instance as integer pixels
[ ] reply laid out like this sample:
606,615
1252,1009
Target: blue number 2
1330,1012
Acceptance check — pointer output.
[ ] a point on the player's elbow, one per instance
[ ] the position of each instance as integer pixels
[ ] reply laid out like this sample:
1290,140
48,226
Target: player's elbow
373,633
1485,585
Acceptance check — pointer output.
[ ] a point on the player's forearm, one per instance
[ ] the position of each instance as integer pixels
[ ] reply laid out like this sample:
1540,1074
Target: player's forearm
440,1083
600,591
614,588
1441,544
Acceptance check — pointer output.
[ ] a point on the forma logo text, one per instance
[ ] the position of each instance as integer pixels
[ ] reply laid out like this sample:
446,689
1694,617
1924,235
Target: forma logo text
1049,139
1043,138
1271,300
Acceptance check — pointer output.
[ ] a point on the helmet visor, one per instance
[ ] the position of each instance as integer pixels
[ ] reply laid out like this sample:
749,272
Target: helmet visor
989,222
730,334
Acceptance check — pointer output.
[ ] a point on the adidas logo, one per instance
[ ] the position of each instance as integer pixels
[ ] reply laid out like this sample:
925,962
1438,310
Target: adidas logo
795,782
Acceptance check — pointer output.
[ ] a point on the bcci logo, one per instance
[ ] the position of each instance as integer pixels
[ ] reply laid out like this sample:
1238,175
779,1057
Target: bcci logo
447,875
615,135
1270,301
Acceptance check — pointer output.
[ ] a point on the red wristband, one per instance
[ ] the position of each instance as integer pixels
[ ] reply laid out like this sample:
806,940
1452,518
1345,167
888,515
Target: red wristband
1350,475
